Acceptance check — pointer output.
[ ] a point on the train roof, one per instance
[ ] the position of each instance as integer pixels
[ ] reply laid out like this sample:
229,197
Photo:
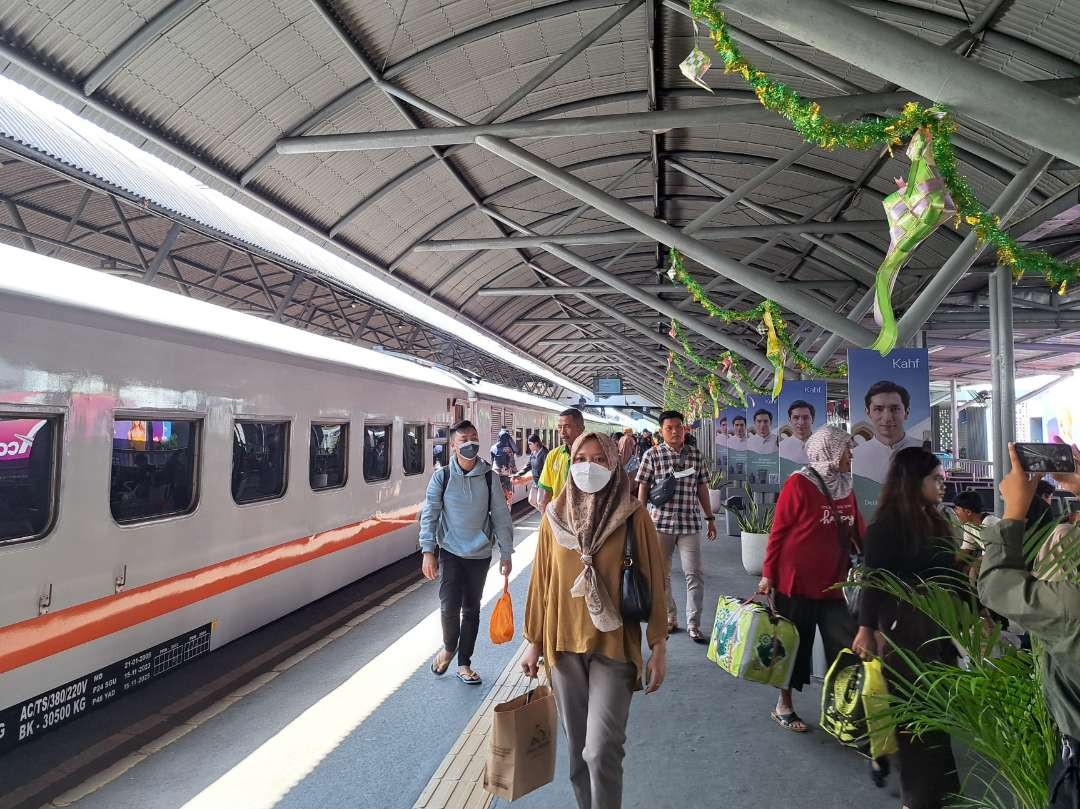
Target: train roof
61,283
49,128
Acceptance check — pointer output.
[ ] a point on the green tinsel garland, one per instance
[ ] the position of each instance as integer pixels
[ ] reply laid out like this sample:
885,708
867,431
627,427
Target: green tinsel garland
805,116
792,355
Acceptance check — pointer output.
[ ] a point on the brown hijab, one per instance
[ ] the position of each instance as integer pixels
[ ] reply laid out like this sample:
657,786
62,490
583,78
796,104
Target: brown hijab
582,522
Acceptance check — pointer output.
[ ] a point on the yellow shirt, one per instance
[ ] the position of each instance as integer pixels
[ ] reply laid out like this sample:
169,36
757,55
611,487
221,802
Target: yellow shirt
556,470
560,622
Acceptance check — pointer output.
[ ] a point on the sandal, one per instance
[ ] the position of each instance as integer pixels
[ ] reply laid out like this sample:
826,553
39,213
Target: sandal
435,669
695,635
469,678
879,771
790,721
672,627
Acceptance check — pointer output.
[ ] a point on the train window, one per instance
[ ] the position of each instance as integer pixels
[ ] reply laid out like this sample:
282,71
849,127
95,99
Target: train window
520,433
376,452
413,446
28,475
440,446
260,456
327,467
153,468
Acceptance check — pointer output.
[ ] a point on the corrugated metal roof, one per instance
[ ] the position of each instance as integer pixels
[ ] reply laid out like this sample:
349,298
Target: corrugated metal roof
233,76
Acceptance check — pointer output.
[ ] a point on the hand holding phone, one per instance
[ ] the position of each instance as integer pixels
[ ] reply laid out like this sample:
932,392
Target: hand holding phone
1043,459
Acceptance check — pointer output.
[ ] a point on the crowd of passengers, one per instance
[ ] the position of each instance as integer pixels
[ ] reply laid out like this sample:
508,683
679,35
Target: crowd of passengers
592,488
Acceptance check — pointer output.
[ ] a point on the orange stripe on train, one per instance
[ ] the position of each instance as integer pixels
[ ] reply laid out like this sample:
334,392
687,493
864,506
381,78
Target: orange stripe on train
37,638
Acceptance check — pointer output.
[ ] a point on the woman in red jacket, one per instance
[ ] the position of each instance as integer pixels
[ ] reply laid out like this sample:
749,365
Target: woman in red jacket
816,527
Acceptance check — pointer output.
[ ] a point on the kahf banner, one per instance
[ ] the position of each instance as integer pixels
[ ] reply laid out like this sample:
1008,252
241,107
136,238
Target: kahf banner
803,409
890,411
763,443
721,434
735,444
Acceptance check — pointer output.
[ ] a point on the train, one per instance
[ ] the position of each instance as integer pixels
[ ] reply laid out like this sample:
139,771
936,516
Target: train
175,474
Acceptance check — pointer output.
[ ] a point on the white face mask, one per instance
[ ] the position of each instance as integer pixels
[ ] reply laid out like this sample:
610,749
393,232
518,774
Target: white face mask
590,477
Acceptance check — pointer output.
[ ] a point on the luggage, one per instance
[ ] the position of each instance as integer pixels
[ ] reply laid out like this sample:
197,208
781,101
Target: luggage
854,705
522,755
752,642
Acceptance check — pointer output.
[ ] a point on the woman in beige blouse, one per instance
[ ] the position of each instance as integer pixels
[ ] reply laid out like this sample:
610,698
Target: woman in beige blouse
572,615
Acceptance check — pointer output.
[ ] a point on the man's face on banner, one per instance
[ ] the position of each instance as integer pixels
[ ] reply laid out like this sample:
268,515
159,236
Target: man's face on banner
802,422
722,430
763,424
740,428
888,414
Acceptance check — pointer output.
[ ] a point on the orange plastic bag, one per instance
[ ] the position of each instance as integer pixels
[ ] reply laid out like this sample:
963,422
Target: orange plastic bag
502,617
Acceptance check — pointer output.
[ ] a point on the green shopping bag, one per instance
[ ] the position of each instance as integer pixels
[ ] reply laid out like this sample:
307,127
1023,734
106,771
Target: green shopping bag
752,642
854,705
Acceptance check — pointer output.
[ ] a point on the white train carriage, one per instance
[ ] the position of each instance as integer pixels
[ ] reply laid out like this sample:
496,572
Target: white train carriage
174,475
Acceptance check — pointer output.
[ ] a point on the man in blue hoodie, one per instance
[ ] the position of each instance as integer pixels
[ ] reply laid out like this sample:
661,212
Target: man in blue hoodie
465,514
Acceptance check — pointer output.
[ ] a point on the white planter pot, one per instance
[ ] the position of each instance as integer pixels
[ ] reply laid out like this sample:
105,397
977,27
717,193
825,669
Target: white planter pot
716,500
753,552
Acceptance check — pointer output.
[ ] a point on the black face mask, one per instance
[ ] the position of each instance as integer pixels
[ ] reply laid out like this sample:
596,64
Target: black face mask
469,450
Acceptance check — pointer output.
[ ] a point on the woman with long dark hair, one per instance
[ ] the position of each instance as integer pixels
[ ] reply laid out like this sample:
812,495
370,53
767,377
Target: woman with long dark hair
912,540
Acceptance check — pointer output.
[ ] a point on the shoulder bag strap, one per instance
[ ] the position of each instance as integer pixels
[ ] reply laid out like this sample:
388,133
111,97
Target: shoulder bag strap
628,545
842,534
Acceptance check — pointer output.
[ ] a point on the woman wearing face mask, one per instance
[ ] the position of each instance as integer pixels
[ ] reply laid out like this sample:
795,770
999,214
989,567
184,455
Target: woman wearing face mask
573,620
816,526
911,539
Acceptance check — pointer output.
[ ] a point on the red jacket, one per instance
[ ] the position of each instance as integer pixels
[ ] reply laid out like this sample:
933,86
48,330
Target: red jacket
804,555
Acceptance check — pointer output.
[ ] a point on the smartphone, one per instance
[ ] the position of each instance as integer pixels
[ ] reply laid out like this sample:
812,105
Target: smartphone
1045,458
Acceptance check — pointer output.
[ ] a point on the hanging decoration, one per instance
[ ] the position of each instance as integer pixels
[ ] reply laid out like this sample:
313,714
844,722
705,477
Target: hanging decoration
807,119
913,211
780,348
695,66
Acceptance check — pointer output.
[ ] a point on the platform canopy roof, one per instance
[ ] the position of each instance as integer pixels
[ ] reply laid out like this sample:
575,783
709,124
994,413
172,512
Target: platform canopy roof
469,115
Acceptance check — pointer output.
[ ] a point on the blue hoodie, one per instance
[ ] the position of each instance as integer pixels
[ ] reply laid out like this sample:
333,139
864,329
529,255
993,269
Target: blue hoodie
458,520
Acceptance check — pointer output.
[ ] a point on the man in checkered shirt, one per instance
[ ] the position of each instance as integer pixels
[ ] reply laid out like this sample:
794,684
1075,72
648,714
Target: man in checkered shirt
678,521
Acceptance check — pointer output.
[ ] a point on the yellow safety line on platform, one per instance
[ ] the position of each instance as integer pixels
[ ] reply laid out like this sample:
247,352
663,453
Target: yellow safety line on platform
458,783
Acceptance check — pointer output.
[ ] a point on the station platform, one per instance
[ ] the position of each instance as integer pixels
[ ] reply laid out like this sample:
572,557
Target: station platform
356,720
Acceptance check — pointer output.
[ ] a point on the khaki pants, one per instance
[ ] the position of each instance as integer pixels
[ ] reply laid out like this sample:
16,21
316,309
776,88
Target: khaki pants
593,694
689,546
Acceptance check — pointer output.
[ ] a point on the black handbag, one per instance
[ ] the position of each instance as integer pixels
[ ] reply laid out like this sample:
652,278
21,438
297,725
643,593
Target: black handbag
662,491
635,602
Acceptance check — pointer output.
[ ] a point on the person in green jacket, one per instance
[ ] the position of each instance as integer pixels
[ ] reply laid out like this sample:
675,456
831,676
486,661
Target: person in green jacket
1049,610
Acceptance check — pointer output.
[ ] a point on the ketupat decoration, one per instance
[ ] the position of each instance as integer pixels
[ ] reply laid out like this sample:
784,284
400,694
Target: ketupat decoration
914,211
773,350
695,66
807,119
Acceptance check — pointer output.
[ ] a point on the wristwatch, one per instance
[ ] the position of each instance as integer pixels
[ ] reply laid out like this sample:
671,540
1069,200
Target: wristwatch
710,518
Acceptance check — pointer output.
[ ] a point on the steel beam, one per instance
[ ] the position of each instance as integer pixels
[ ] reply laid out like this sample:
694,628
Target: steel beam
960,261
162,253
156,27
575,127
1003,103
665,234
1018,345
631,236
653,289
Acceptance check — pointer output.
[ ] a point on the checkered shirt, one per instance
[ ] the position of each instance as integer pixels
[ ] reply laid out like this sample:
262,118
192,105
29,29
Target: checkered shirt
682,513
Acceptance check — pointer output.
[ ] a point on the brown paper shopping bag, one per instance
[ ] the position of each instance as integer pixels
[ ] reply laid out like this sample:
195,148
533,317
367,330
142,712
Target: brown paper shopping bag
522,755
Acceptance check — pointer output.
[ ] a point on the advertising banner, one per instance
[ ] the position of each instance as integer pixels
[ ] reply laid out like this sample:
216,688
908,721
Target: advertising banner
803,409
763,442
736,442
721,433
890,411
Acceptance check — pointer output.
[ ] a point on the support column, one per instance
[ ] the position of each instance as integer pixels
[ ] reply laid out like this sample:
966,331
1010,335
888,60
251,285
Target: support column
954,419
1003,369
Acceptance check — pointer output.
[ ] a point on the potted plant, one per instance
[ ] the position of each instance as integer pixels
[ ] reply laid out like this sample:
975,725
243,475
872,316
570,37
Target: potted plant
716,486
755,522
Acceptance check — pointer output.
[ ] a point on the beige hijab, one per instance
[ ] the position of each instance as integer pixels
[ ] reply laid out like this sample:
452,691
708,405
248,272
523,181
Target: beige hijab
582,522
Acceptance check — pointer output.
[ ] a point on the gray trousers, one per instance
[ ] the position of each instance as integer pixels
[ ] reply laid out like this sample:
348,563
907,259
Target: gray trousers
689,546
593,694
